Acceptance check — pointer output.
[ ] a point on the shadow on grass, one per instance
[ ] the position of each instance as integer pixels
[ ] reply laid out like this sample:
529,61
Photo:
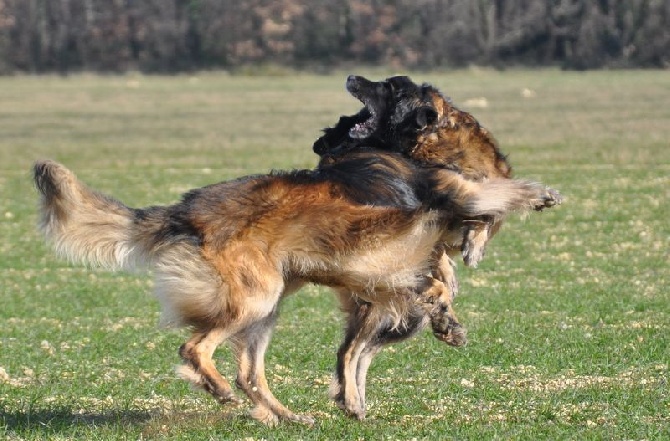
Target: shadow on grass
64,420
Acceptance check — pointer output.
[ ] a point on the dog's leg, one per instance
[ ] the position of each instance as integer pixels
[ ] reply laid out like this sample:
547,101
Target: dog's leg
354,311
360,330
364,362
354,404
199,369
445,272
368,330
250,346
386,334
475,237
441,292
496,198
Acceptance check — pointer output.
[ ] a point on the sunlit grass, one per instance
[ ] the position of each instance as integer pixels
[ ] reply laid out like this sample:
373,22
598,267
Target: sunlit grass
568,315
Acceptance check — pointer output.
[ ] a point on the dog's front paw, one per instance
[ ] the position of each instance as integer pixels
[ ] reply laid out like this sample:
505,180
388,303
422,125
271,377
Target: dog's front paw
548,199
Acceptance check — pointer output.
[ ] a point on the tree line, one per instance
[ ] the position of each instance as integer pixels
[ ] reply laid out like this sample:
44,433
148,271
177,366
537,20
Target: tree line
180,35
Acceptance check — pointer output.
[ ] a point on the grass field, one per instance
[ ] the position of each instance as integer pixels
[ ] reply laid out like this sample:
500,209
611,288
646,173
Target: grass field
568,315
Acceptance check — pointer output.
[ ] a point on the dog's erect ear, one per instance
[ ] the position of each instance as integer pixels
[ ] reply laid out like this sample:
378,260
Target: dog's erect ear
400,82
425,116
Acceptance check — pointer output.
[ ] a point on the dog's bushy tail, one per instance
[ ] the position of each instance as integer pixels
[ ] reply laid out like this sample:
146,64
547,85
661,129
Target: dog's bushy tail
88,227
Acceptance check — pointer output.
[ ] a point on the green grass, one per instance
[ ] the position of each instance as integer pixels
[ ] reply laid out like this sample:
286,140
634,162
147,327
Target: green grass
568,315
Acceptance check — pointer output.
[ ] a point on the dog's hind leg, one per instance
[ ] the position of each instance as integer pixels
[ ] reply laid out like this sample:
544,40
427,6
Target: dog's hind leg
368,329
344,387
250,346
386,333
198,367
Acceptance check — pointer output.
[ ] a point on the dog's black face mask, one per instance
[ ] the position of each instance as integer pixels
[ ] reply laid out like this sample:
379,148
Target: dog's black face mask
394,111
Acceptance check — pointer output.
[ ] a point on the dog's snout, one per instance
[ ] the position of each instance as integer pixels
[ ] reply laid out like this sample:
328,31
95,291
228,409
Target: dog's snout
357,81
352,81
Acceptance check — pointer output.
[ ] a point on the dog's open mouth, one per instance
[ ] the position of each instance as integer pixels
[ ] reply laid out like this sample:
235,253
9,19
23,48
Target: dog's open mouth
372,96
366,128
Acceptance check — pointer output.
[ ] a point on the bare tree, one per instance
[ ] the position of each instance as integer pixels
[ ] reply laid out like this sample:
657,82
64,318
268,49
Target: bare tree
175,35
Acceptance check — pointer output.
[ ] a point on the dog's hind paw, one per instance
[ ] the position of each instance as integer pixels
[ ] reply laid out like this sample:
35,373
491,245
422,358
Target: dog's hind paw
198,381
446,327
264,415
302,419
228,398
455,335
